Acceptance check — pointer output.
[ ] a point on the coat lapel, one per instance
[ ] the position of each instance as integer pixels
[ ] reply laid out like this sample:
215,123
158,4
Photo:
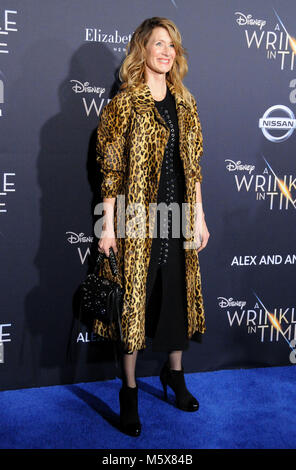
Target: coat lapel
143,100
143,103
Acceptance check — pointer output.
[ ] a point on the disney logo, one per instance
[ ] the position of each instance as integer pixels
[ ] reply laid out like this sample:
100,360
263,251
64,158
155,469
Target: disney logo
232,166
75,238
247,19
85,88
231,303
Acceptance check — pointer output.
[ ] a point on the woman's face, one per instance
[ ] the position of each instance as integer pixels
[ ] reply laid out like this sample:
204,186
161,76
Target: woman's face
160,51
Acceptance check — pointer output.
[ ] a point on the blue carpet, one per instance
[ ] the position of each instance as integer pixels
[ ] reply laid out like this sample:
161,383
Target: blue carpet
239,409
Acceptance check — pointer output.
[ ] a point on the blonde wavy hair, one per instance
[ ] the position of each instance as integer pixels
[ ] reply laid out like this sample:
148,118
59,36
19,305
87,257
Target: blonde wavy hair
131,72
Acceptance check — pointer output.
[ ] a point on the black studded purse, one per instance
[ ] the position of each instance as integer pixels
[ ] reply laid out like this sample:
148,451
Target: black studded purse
102,298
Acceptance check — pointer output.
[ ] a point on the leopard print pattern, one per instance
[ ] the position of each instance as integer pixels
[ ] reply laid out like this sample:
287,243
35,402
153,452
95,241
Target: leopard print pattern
131,140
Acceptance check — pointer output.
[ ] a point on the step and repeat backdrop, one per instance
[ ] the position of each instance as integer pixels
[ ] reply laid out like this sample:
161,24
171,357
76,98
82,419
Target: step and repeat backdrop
59,63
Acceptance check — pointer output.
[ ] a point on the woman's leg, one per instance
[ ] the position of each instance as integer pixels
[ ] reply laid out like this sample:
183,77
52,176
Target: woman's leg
129,369
128,396
175,360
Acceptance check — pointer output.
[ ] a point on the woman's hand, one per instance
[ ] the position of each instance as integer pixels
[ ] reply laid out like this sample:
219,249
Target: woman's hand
204,235
107,241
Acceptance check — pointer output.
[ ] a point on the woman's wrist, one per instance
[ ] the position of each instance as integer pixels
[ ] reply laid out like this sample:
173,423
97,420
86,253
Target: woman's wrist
108,228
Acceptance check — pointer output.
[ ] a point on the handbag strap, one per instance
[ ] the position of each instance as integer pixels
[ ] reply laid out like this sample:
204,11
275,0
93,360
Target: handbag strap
112,261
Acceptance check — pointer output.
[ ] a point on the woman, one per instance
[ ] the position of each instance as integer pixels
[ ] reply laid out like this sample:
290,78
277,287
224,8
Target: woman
149,146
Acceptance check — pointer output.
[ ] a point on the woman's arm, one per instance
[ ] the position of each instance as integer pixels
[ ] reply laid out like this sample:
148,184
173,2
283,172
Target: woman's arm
111,140
199,196
201,230
108,239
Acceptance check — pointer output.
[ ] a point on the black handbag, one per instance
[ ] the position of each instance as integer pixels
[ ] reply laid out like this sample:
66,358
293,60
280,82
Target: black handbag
102,298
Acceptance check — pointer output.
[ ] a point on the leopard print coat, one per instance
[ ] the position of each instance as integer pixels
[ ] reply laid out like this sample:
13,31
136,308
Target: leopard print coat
131,140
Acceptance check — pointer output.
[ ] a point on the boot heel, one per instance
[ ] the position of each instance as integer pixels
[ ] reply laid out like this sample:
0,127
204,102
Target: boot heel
165,391
175,379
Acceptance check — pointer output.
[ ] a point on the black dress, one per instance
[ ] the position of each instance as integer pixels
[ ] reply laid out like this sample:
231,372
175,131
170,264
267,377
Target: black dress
166,303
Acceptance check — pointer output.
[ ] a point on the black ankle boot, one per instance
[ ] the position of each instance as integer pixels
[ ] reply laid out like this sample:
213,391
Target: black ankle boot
175,379
129,418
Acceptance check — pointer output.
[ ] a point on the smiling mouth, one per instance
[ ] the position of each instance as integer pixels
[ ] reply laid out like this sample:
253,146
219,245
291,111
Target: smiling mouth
164,61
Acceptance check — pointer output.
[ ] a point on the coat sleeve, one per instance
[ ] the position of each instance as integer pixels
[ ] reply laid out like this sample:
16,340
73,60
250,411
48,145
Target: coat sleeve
198,144
110,144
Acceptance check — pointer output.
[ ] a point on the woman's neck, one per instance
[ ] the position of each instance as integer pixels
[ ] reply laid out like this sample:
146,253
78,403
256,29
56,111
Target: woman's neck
158,87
